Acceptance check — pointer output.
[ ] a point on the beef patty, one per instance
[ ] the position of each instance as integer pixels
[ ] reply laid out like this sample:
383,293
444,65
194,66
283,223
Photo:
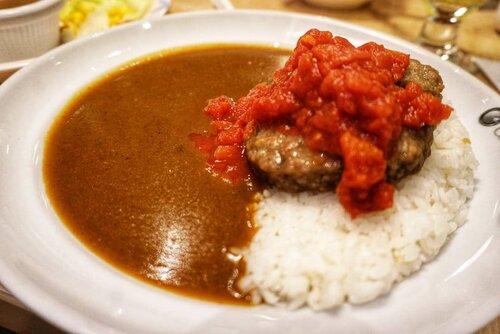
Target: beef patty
286,162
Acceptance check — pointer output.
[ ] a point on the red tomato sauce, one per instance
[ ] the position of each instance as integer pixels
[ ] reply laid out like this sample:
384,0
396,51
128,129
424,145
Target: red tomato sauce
342,99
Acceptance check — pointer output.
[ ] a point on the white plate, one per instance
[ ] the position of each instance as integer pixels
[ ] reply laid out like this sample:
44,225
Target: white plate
9,68
43,264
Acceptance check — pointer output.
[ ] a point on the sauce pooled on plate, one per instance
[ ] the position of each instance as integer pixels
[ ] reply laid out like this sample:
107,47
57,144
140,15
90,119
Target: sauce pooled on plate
122,174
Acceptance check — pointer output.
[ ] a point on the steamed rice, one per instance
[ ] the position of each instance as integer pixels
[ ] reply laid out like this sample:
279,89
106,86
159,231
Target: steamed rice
308,251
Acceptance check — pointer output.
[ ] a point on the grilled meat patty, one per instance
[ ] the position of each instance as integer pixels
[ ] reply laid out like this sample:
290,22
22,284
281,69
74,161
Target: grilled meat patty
412,148
286,162
425,76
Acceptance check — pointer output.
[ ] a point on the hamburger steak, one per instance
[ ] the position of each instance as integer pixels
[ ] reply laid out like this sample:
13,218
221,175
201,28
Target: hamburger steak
286,162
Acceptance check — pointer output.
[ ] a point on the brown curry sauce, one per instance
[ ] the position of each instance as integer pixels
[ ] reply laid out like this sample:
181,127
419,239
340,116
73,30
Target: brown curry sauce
122,174
8,4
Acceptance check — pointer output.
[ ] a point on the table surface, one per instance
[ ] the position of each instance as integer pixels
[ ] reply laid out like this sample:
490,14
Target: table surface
401,18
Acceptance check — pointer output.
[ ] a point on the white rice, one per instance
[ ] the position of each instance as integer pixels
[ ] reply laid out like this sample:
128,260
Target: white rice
308,251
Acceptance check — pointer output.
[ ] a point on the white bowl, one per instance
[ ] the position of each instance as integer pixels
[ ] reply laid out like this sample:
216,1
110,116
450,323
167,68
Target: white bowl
30,30
51,272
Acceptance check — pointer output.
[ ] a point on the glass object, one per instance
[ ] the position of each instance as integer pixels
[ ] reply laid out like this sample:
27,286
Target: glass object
440,30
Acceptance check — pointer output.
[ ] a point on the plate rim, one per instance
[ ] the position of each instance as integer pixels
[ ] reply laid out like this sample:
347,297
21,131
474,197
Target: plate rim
368,32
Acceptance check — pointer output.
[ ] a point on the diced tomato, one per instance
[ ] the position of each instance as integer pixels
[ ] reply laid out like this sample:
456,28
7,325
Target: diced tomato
342,99
231,136
204,143
227,153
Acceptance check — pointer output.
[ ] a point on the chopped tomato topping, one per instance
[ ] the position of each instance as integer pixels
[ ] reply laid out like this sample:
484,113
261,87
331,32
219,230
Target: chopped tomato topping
343,100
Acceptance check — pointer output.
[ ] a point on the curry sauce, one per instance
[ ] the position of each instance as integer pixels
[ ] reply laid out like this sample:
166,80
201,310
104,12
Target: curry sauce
7,4
124,177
